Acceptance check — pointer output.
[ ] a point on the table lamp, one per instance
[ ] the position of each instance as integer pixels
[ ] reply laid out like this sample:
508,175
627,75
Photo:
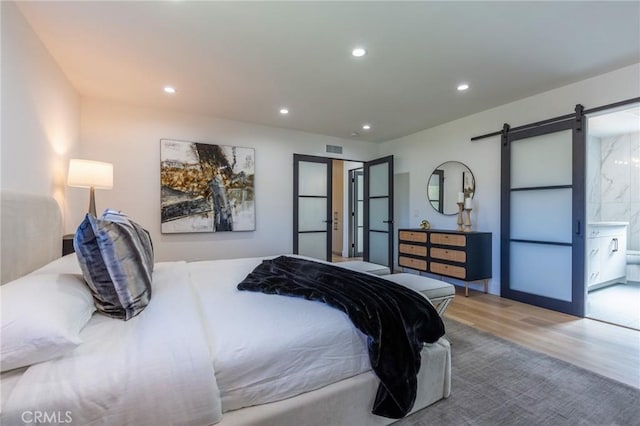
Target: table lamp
92,175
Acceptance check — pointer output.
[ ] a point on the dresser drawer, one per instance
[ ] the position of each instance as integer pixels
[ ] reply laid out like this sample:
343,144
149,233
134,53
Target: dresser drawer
447,254
449,239
449,270
408,262
411,249
418,237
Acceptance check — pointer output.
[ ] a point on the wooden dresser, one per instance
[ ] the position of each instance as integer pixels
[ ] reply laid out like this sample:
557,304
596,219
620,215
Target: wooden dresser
462,255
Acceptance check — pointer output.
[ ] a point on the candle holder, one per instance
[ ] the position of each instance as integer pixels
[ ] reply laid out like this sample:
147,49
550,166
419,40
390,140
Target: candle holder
467,222
460,208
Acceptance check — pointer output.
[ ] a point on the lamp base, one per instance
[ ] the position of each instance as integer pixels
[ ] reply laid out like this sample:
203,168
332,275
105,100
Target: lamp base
92,201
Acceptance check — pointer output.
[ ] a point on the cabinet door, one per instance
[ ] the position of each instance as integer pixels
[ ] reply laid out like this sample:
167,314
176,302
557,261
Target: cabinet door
593,261
613,257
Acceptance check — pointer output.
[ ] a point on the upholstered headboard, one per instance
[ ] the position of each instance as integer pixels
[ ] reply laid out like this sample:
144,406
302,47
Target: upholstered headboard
30,233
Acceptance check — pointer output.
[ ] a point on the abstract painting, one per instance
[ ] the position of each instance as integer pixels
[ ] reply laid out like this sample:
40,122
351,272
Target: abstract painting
206,188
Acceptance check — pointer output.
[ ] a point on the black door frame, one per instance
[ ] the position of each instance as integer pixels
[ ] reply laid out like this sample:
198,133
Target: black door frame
355,250
367,165
297,158
577,304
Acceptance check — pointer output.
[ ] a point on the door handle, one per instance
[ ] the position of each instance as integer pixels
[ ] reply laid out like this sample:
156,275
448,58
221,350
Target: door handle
615,245
387,221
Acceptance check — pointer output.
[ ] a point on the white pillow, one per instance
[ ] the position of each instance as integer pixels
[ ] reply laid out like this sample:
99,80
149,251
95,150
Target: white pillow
42,315
63,265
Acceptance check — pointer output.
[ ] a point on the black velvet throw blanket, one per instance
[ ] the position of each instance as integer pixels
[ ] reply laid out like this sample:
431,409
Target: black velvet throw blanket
396,320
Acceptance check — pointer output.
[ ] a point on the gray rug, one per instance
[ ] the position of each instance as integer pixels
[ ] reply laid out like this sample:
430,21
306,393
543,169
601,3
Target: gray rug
496,382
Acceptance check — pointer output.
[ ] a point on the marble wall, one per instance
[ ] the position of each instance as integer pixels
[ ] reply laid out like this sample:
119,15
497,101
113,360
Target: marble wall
613,182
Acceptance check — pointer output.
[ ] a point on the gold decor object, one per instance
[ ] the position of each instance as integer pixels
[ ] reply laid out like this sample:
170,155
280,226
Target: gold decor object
460,208
425,224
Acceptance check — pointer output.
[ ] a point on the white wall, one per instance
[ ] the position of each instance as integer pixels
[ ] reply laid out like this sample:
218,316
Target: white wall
418,154
40,113
129,137
613,190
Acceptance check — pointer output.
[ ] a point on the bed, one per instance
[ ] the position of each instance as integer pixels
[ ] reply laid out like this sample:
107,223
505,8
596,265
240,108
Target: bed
201,353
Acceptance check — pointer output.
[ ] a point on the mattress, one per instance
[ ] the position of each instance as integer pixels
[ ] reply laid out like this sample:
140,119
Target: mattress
267,348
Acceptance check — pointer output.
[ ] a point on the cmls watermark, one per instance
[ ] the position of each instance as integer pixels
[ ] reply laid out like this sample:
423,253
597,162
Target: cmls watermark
46,417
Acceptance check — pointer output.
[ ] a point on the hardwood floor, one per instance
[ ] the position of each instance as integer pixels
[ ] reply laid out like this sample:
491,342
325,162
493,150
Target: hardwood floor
337,258
603,348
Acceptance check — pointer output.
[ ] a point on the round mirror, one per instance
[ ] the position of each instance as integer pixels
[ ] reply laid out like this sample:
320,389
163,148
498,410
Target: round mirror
446,182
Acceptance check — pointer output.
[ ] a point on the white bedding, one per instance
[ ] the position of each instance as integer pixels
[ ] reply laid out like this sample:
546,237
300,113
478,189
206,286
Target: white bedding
266,347
199,349
130,373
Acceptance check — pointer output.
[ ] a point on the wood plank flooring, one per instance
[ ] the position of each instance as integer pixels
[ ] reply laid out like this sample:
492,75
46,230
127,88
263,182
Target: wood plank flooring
603,348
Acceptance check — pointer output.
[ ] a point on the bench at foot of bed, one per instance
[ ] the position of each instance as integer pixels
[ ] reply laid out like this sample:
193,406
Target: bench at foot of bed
361,266
440,293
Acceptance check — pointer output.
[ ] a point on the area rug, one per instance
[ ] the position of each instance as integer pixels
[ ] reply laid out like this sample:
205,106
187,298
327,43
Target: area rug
496,382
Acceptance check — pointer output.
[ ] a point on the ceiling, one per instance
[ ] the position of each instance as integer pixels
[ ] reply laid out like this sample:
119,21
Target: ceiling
245,60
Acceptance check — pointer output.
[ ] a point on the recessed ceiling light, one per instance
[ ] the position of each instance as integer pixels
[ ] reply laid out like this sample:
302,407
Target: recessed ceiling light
462,87
366,127
169,89
284,111
358,52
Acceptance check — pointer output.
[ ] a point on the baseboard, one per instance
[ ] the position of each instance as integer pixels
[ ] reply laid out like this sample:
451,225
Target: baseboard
621,280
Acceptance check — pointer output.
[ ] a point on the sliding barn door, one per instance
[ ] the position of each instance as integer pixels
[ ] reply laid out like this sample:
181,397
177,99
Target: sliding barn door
542,221
312,206
378,211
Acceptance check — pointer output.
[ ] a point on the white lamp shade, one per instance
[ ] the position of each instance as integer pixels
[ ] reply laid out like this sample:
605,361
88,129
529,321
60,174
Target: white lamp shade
86,173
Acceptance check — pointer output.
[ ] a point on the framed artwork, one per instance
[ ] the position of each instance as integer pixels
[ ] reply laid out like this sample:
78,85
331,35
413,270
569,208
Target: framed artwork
206,188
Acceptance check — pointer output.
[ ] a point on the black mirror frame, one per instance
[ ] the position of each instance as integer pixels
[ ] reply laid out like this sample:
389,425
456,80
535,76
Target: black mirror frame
439,207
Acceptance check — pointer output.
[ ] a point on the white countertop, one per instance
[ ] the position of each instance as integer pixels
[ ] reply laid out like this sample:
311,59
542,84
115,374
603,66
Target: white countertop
608,224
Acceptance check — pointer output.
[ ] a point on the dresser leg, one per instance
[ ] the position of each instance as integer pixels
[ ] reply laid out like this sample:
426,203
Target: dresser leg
486,286
466,289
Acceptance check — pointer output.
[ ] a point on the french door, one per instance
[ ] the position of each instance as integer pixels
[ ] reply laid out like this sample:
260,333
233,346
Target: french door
312,206
312,192
378,211
356,206
542,220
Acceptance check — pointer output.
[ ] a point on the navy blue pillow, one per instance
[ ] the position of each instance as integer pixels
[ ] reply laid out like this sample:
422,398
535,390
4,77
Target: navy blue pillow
116,258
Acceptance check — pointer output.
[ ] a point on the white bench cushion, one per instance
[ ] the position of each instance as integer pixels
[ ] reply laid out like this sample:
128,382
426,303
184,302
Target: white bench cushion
438,292
430,287
360,266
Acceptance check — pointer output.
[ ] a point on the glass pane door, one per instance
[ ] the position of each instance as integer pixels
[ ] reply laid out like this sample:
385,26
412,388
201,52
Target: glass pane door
542,228
378,211
312,206
356,203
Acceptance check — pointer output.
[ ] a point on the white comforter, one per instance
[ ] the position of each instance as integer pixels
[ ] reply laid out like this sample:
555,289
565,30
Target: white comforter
152,370
267,347
200,348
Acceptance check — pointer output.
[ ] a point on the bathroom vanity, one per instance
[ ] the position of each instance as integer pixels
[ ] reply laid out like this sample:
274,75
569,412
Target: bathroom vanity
606,254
